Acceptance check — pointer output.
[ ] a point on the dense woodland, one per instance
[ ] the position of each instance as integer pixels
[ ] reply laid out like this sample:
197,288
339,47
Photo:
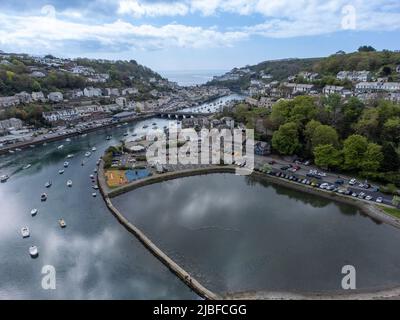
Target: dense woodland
345,136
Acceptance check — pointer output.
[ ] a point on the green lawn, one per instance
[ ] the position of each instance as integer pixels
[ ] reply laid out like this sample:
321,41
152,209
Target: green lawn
392,211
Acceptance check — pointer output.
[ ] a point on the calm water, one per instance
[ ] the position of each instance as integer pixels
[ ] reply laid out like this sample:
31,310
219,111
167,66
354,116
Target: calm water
95,257
237,234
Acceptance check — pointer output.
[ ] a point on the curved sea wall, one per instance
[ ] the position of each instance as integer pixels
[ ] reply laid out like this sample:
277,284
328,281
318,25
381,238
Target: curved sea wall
196,286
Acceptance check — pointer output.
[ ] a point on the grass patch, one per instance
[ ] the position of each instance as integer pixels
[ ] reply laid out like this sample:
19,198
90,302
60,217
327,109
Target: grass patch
391,211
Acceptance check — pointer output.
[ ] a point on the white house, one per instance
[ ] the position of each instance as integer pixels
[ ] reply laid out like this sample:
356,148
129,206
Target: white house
120,101
356,76
332,89
378,86
24,97
10,101
55,96
129,91
92,92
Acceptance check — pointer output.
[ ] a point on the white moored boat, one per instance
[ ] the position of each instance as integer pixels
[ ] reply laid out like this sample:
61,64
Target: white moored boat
61,171
43,197
4,178
62,223
27,166
69,183
34,212
94,194
33,251
25,232
48,184
70,156
60,147
87,154
94,149
66,164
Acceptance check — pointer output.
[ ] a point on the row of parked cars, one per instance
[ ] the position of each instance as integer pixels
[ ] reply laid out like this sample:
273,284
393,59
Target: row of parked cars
326,186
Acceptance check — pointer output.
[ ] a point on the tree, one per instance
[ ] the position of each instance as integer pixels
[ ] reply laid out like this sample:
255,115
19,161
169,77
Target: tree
286,139
324,134
327,156
372,158
391,130
354,148
281,112
391,159
304,110
366,49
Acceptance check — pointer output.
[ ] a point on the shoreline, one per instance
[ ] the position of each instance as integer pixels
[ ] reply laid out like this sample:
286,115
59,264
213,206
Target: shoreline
366,209
25,145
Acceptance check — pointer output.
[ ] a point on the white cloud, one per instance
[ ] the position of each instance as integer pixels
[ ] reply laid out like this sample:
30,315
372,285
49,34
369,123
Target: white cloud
50,31
138,8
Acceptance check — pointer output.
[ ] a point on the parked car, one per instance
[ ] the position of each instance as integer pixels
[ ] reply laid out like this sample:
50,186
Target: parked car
352,182
379,200
339,181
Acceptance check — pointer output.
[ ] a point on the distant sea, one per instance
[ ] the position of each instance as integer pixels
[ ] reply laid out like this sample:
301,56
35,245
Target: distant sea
191,77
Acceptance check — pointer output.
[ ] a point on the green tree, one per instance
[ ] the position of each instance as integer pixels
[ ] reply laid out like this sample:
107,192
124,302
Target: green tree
391,159
354,148
286,139
391,130
372,158
324,135
327,156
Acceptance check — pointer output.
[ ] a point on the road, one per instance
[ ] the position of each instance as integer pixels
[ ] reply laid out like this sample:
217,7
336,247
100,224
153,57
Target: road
260,161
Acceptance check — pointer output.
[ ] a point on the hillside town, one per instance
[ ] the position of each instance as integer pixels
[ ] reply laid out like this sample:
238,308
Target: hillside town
95,100
263,90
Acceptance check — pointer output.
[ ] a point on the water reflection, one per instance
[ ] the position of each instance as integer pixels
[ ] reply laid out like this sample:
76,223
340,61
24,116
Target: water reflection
239,234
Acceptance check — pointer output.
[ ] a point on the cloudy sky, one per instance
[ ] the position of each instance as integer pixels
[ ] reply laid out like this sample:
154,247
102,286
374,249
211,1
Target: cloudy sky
197,34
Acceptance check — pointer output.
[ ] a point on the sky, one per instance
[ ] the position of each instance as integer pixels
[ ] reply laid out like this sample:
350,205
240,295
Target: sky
197,34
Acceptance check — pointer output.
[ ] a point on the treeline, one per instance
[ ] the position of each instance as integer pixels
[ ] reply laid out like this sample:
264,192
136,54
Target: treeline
346,136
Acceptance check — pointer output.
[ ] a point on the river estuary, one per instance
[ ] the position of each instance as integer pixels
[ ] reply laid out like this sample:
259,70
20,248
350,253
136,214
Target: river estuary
231,233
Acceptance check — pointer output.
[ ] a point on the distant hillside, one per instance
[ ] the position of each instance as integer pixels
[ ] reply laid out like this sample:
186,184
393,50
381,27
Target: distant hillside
25,73
381,63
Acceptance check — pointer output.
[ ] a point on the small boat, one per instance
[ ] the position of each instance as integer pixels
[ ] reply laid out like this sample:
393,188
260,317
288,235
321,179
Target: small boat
97,162
27,166
11,151
69,183
145,127
126,134
48,184
82,163
66,164
33,251
60,147
61,171
70,156
88,154
95,170
84,135
91,176
62,223
43,197
108,138
94,149
25,232
154,123
34,212
68,140
94,194
18,149
31,146
95,187
44,144
4,178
